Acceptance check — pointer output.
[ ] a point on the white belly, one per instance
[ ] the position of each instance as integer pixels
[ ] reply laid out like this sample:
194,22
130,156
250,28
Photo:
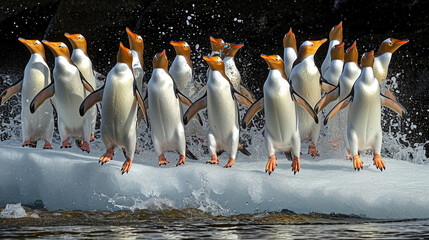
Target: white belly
280,115
182,73
222,109
232,72
164,112
69,94
39,124
290,56
364,115
305,79
119,111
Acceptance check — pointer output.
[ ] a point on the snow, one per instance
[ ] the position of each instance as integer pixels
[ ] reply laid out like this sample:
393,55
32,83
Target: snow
13,211
70,179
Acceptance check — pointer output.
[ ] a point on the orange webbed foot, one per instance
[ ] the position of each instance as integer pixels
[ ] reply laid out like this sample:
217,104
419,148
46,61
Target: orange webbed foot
357,162
214,160
85,146
162,160
126,166
313,151
378,162
181,160
107,156
47,145
295,165
271,164
66,144
230,163
92,138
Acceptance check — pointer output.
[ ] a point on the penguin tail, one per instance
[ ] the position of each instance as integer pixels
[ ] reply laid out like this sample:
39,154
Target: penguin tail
190,155
243,150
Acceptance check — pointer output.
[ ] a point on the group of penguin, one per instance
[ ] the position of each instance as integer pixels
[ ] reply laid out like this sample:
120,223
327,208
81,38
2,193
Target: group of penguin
292,98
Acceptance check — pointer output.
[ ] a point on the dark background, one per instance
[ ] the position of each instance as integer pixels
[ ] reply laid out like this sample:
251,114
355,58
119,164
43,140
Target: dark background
260,25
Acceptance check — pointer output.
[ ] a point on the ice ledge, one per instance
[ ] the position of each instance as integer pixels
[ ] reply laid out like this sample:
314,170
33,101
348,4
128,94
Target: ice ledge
70,179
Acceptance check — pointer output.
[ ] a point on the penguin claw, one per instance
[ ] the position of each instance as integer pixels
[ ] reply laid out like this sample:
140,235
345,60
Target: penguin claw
106,156
126,166
230,163
295,165
271,164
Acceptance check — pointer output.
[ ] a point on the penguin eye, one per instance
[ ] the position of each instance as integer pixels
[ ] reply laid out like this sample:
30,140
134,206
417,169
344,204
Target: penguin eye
35,43
139,38
80,37
312,44
60,46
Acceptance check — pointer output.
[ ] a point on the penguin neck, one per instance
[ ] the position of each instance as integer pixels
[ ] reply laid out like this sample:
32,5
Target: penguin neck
64,57
384,60
221,72
307,59
187,57
138,56
367,75
37,57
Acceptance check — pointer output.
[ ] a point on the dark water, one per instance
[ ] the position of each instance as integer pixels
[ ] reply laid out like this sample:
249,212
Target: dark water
193,223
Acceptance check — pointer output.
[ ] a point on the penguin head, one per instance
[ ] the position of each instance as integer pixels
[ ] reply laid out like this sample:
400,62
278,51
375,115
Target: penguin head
124,56
216,44
181,48
390,45
337,52
160,61
35,46
215,63
308,48
136,41
273,61
77,41
351,54
336,33
230,49
58,49
367,59
289,40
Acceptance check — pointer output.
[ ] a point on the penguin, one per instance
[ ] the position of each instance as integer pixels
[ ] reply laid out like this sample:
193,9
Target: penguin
220,100
164,98
216,44
182,69
335,37
348,77
120,97
40,124
69,90
290,51
82,61
137,47
384,55
231,71
364,114
305,80
281,122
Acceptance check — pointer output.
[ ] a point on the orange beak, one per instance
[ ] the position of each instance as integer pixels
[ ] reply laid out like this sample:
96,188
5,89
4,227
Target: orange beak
399,42
339,25
133,35
72,36
209,59
176,44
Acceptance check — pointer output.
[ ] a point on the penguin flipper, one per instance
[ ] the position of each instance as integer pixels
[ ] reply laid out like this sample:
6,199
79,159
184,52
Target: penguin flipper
251,112
327,98
142,111
304,104
188,103
91,100
392,104
195,108
9,92
243,150
240,98
190,155
337,108
247,93
326,86
85,83
44,94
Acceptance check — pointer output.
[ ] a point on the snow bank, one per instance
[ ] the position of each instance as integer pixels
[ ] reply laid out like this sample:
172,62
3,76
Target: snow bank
13,211
70,179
